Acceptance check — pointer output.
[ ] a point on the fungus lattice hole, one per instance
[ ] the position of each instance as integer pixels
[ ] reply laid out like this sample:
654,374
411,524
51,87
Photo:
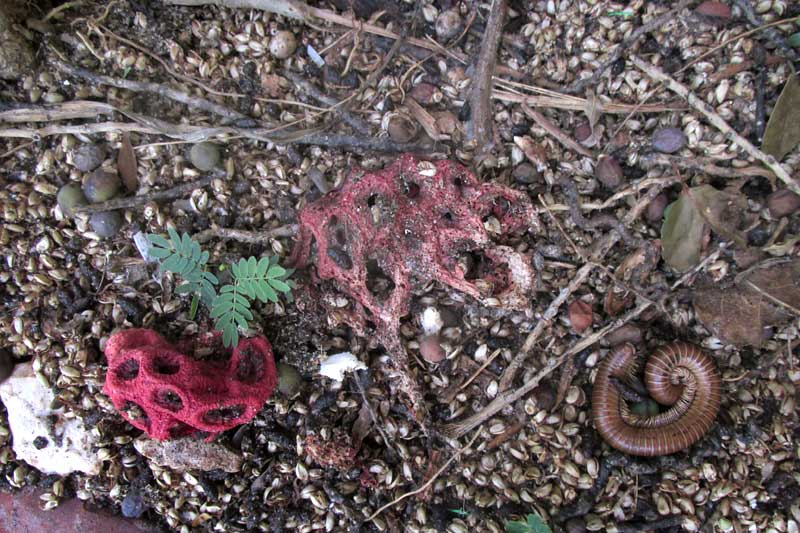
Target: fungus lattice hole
448,216
379,283
340,257
223,414
475,264
127,370
410,188
251,367
165,366
168,400
180,430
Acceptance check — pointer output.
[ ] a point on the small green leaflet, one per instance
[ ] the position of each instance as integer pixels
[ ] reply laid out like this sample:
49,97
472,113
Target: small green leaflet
534,524
252,279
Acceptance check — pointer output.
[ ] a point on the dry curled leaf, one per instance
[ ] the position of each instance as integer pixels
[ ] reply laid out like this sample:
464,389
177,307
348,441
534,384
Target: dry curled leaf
126,165
361,426
783,129
580,315
682,233
633,270
762,297
725,211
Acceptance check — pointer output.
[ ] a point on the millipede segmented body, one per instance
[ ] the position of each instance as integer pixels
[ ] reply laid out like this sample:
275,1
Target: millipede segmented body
679,375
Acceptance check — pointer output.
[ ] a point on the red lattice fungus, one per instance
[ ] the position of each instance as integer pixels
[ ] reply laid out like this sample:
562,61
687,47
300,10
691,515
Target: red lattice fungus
168,394
417,220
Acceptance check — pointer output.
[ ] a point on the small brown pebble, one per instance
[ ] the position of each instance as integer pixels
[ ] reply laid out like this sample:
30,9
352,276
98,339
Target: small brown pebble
582,131
282,45
525,173
88,157
101,186
69,197
430,349
668,140
106,224
782,203
608,172
426,93
448,24
655,209
714,12
205,156
401,129
627,333
580,315
545,397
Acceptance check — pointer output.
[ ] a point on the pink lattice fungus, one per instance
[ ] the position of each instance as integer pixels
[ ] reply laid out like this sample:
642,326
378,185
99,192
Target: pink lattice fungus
422,221
168,394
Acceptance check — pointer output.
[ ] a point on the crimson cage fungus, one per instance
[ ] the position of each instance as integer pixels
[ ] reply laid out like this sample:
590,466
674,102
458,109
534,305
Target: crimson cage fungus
416,221
168,394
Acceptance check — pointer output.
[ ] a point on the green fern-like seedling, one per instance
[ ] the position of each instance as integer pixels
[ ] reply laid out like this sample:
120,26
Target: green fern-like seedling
253,279
183,256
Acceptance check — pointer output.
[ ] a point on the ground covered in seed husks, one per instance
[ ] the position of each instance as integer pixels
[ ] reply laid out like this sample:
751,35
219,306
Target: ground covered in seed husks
631,132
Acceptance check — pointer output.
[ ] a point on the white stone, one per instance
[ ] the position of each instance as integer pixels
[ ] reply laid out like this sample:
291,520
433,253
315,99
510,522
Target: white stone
69,442
338,364
431,321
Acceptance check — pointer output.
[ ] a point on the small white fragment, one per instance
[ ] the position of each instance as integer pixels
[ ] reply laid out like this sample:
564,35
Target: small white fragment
338,364
64,444
144,246
431,321
315,57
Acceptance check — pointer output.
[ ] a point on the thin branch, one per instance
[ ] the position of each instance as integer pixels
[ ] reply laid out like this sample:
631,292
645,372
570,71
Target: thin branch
707,165
311,90
153,88
52,112
555,131
480,125
579,104
581,85
681,90
178,191
250,237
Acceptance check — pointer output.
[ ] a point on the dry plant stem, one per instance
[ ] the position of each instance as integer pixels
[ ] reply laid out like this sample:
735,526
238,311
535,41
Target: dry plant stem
153,88
579,104
430,482
249,237
479,127
311,90
306,13
581,85
194,134
602,247
703,164
178,191
736,38
555,131
717,121
53,112
774,35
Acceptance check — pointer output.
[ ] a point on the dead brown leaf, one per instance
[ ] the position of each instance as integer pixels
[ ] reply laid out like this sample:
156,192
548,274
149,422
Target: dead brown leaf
361,426
580,315
126,165
725,211
763,296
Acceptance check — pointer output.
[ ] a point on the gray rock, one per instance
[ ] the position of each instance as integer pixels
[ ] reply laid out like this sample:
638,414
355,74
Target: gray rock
189,454
88,157
43,437
668,140
16,54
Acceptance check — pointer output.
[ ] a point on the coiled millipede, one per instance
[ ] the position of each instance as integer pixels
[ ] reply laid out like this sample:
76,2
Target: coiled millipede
679,375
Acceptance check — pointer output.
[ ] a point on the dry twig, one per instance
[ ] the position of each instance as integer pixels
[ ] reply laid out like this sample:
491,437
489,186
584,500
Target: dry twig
581,85
250,237
555,131
678,88
480,126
